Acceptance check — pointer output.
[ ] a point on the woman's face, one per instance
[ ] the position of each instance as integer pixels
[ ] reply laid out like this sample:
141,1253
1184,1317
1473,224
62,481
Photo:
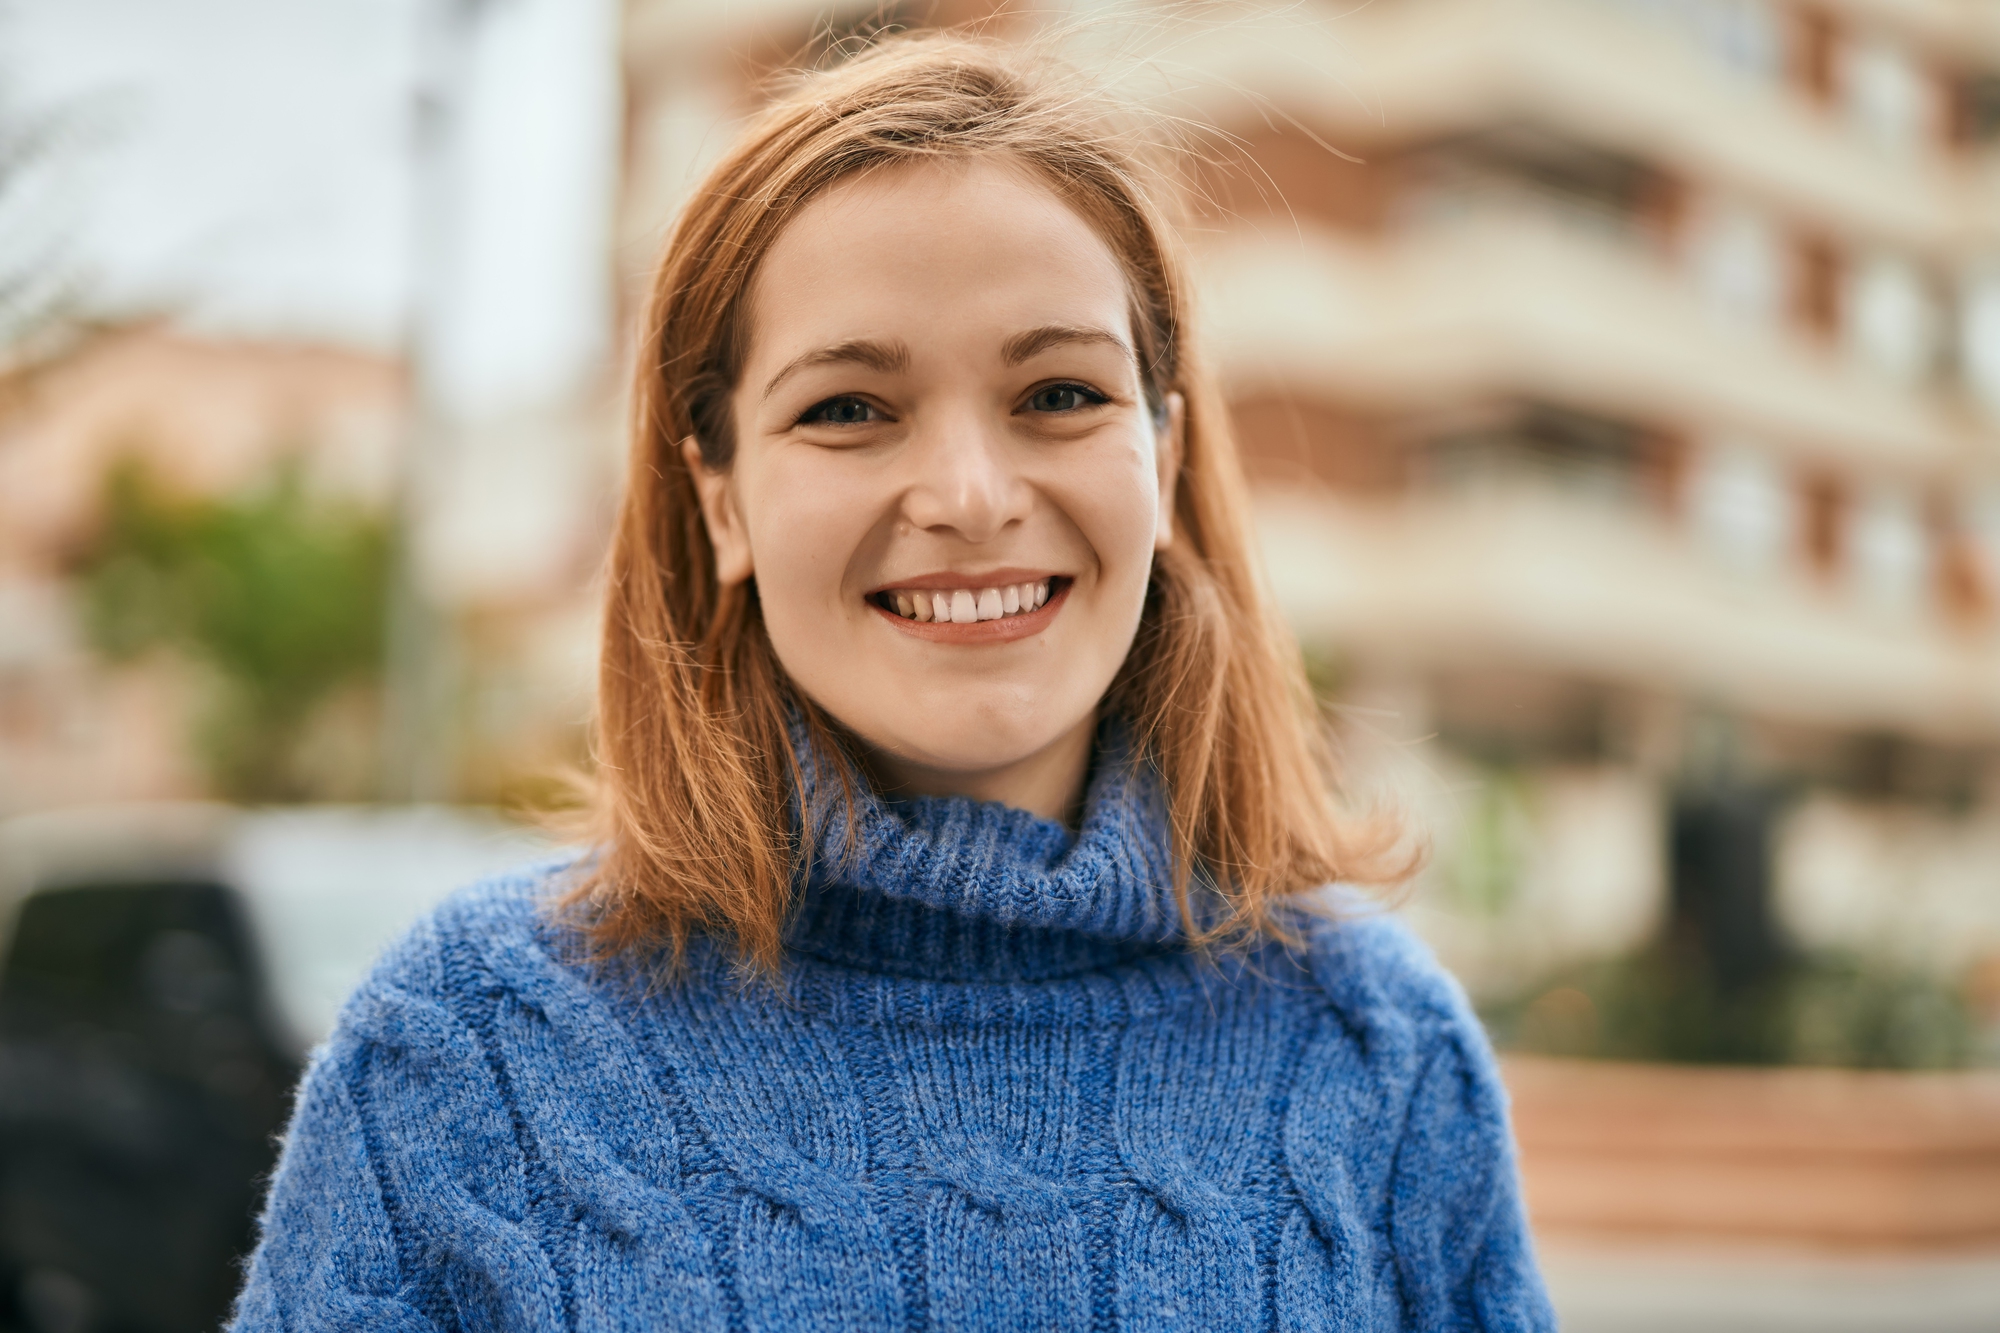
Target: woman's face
947,484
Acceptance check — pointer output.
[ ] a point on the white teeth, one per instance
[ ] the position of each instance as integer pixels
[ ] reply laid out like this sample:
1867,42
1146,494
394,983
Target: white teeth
965,606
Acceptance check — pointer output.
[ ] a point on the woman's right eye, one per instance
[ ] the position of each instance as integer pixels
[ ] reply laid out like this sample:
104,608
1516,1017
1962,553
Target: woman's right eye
840,412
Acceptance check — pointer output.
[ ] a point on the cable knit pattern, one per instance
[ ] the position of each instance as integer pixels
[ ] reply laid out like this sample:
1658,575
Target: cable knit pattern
993,1091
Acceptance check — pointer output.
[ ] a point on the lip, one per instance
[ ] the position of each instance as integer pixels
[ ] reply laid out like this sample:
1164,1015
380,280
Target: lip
978,632
950,580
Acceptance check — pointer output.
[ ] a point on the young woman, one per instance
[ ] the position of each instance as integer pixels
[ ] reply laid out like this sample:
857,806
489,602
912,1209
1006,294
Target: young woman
944,961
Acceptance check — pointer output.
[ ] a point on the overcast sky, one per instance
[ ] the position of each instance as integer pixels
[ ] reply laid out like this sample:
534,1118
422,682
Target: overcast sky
249,165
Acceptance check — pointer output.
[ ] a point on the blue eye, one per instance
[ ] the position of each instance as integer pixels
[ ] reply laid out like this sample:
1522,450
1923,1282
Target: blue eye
839,412
1064,398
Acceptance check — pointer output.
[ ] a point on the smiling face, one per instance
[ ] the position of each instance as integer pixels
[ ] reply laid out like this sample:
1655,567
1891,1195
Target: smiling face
947,481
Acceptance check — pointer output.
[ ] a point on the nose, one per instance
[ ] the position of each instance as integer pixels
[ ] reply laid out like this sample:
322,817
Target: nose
966,480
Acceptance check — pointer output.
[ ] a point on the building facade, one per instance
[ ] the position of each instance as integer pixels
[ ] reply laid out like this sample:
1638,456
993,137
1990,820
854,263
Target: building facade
1620,380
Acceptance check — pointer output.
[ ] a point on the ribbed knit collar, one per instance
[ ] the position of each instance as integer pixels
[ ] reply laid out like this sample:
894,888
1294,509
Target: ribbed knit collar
952,888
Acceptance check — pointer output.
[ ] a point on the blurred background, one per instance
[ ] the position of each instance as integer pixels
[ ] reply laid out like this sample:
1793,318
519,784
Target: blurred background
1620,381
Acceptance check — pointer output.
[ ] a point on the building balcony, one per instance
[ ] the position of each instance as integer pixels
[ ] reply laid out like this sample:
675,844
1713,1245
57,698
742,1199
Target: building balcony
1507,306
1396,74
1969,29
1519,579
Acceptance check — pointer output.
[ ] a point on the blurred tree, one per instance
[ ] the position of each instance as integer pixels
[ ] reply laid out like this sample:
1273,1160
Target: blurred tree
279,593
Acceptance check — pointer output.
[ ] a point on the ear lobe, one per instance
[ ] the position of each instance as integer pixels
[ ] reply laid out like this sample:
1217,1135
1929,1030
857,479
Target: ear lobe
727,535
1170,443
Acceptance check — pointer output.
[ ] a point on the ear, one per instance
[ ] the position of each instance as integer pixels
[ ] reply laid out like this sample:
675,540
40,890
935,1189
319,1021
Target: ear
727,535
1169,446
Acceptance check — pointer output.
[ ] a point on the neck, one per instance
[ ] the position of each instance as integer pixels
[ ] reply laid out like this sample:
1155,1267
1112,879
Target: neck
1048,783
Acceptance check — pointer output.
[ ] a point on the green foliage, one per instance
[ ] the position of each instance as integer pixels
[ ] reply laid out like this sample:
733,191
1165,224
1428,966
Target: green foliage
1843,1010
1822,1009
279,594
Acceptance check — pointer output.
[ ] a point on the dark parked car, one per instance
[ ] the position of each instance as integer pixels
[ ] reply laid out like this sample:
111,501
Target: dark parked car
163,971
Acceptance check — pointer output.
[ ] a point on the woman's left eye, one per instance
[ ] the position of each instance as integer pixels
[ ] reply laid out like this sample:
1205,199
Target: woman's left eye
1064,398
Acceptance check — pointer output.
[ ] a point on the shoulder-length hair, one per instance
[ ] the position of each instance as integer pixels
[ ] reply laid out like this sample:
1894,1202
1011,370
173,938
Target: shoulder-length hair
694,795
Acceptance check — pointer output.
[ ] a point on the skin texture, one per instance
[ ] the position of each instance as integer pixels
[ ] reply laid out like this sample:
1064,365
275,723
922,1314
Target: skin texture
907,418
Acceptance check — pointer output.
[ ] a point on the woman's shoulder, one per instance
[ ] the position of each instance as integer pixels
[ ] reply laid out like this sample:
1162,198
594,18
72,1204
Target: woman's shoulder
1407,1095
1385,983
490,935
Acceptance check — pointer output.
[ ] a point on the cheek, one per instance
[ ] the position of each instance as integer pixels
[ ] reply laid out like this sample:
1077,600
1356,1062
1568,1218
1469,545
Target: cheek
1115,501
802,532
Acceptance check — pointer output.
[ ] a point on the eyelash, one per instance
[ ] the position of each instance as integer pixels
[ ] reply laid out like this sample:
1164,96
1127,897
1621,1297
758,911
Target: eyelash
815,415
1090,396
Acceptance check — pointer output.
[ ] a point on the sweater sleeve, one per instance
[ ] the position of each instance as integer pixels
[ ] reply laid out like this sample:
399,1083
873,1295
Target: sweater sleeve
327,1257
1461,1232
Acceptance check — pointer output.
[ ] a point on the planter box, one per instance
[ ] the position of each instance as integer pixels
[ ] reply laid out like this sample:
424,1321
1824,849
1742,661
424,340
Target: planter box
1818,1156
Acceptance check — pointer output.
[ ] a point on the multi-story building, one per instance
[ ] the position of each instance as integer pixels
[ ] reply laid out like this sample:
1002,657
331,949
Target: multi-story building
1621,382
1628,418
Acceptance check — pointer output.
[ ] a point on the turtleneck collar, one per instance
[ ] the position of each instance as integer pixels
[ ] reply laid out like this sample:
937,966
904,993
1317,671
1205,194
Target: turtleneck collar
953,888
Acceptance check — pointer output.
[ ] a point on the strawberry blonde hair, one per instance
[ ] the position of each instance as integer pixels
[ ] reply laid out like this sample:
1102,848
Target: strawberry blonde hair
693,804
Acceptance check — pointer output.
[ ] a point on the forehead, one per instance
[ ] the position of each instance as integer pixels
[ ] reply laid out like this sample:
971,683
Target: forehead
937,254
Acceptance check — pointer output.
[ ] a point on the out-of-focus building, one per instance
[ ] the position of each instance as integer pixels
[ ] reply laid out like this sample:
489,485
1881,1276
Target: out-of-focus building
1627,421
1623,399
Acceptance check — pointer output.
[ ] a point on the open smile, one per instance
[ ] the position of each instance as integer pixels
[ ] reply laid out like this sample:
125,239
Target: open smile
995,612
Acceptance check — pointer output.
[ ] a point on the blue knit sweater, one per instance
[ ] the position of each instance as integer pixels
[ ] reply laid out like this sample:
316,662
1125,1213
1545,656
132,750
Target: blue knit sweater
994,1093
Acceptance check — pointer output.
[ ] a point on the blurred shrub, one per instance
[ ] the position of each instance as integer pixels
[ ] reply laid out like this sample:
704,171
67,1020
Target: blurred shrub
1824,1009
280,594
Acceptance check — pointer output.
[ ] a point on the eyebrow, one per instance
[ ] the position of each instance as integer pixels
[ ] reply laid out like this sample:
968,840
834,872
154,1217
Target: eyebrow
1036,341
893,357
888,358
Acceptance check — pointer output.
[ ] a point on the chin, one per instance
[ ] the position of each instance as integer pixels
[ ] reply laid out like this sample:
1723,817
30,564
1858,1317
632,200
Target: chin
973,753
969,741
